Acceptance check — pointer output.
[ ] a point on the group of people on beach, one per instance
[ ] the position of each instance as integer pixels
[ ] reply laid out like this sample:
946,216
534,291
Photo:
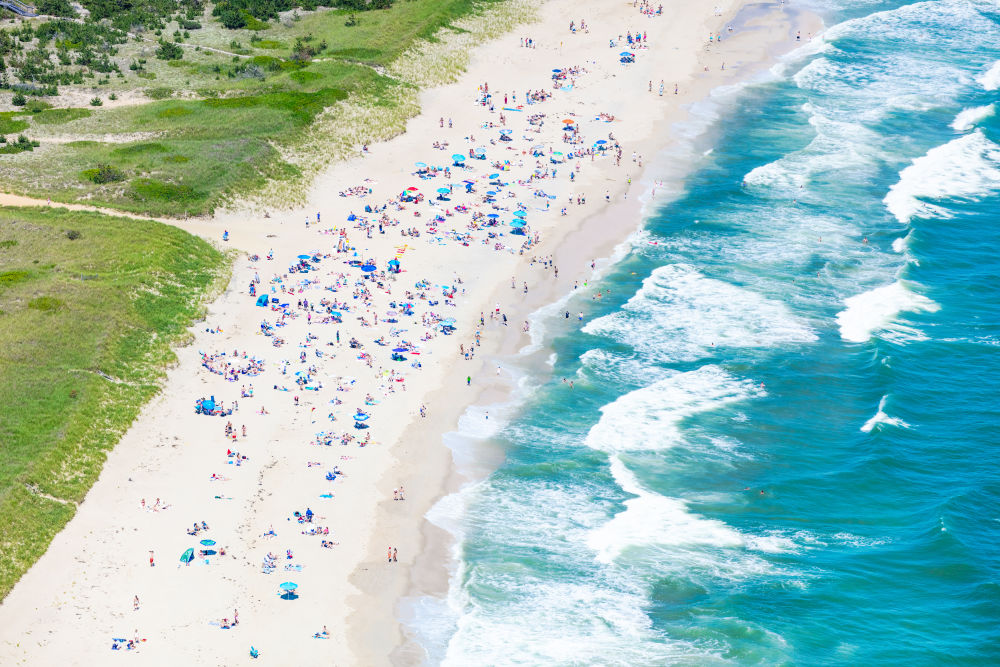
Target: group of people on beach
339,321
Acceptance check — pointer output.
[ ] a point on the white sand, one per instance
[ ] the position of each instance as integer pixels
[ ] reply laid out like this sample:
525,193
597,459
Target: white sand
70,605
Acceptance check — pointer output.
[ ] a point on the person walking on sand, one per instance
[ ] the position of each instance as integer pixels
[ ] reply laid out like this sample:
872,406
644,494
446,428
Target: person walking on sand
151,563
135,603
390,554
395,552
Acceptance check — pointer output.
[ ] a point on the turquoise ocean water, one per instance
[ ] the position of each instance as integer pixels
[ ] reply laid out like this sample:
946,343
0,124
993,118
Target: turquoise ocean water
754,341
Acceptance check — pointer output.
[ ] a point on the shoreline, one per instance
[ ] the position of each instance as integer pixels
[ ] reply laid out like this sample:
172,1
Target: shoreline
430,576
69,586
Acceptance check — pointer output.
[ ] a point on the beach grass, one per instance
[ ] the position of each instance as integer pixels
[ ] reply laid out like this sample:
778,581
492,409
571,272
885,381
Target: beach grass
89,307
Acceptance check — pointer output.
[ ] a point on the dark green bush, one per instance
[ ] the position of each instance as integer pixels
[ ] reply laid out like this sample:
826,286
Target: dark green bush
169,51
104,173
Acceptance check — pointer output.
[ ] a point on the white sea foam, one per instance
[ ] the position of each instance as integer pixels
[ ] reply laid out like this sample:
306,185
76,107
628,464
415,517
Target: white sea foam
649,418
604,366
857,541
877,309
965,168
899,245
881,417
990,79
968,118
837,146
679,314
542,620
650,518
554,622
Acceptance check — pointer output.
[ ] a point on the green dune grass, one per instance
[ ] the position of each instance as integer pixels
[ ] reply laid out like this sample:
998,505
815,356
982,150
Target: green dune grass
89,306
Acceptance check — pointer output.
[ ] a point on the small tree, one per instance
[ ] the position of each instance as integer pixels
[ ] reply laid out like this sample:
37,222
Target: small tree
169,51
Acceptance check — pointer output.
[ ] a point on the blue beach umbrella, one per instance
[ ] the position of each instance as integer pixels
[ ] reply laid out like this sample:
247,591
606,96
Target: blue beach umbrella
494,175
444,191
399,349
479,151
458,157
506,131
421,165
304,256
492,215
368,268
626,53
520,214
517,223
208,543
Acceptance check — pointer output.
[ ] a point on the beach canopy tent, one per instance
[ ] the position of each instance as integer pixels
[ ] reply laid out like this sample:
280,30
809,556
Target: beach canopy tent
187,556
262,300
394,266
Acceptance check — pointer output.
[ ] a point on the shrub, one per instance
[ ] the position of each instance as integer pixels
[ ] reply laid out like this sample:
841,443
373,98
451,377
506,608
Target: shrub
73,234
253,23
96,102
22,144
232,19
19,100
169,51
55,8
105,173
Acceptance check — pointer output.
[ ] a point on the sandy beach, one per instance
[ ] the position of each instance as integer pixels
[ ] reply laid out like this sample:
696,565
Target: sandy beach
304,487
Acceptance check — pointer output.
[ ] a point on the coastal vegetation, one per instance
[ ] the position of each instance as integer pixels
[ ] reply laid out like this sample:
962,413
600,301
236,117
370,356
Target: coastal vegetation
89,307
193,108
